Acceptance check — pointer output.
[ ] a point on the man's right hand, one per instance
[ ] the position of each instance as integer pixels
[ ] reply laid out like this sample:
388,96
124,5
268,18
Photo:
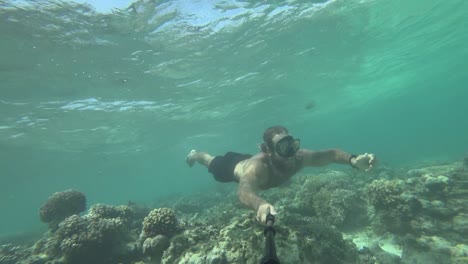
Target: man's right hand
364,162
190,159
263,211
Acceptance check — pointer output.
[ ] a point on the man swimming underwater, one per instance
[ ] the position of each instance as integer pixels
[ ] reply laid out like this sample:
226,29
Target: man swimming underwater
281,157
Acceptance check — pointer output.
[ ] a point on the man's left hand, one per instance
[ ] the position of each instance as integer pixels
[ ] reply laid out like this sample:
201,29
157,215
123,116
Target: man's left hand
364,162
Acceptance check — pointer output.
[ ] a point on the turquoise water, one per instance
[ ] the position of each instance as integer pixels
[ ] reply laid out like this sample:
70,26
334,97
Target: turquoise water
110,104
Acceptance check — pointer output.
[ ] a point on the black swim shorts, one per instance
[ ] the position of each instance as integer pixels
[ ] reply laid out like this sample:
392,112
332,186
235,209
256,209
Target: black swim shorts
222,167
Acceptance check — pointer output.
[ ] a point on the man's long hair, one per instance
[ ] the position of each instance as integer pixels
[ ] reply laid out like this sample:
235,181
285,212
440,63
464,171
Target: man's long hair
268,137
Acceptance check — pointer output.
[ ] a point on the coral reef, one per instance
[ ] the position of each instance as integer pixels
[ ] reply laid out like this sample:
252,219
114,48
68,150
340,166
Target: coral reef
87,238
154,247
388,216
394,209
242,241
465,161
161,221
123,212
62,205
92,238
340,207
429,214
322,243
158,227
383,193
11,254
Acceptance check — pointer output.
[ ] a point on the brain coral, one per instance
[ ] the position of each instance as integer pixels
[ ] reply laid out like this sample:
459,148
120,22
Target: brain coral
125,213
162,221
62,205
383,193
84,239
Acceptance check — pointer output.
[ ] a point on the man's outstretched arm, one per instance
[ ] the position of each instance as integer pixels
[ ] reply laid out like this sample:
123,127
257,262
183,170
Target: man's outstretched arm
324,157
247,195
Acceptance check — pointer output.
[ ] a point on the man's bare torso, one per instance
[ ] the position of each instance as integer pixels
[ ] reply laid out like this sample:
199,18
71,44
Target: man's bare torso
267,174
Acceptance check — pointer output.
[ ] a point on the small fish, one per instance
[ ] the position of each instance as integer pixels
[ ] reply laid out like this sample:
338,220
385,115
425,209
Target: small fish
310,105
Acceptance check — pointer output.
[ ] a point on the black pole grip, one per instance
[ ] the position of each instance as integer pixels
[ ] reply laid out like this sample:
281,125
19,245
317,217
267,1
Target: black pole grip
269,256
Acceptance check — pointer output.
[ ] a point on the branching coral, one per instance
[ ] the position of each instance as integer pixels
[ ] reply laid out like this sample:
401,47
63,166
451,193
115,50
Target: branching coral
62,205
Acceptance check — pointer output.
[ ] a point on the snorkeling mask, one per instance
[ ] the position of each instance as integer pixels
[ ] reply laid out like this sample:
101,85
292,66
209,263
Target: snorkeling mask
287,146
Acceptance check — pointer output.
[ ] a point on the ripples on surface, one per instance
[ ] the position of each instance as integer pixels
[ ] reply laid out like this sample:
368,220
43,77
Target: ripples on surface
214,60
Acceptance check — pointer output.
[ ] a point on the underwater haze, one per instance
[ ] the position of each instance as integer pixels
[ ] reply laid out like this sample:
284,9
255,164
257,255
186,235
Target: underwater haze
110,103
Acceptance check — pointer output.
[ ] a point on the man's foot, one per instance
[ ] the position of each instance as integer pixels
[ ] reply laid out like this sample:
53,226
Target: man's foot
190,159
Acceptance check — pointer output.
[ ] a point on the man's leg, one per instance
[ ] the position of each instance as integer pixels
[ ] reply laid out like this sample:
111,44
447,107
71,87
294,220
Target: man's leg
200,157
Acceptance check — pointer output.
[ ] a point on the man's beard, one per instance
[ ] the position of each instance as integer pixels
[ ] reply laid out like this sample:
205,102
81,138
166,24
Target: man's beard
284,165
